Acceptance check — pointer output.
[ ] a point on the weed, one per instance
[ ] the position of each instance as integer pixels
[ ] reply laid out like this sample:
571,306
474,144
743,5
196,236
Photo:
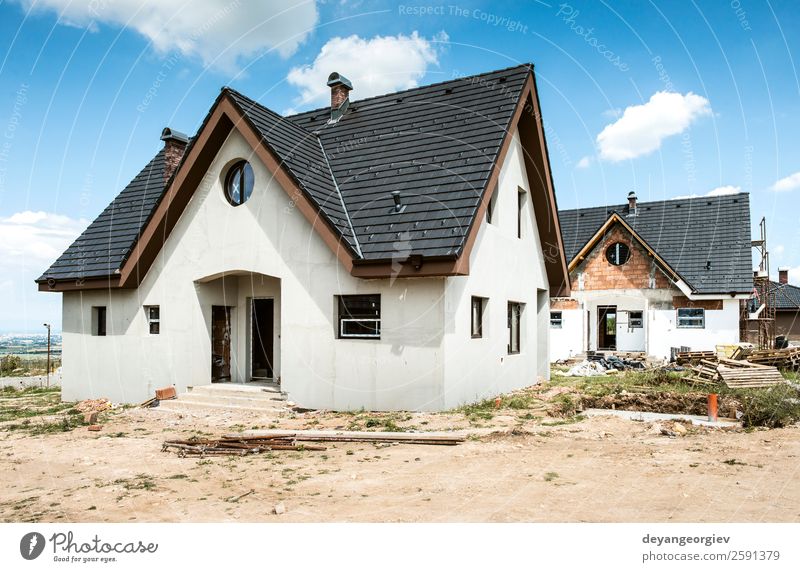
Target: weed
550,476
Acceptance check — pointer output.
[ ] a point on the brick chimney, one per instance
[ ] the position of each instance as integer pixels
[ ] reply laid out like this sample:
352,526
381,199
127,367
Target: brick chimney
174,147
340,95
632,202
783,275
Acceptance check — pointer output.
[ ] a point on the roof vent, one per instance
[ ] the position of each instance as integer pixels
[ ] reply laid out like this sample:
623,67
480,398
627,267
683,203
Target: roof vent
340,95
398,203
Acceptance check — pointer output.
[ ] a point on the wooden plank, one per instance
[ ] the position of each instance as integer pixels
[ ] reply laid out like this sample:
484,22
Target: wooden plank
314,435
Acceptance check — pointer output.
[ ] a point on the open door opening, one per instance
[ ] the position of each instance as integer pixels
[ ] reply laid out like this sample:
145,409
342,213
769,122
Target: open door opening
606,327
220,344
262,339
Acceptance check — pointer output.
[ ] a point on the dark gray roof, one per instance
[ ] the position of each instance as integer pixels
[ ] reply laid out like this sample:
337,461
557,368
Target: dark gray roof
436,144
786,296
106,243
704,239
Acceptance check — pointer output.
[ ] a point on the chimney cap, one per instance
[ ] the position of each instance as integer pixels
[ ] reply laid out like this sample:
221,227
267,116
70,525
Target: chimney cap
168,134
632,195
783,269
337,79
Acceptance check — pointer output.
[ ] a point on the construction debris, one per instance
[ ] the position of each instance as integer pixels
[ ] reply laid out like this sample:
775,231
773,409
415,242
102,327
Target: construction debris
94,427
96,405
166,393
414,438
241,444
693,358
787,358
586,369
733,373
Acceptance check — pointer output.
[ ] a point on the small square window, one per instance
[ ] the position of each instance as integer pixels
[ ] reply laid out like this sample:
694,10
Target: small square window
153,314
478,307
360,316
556,320
635,319
691,318
98,320
514,326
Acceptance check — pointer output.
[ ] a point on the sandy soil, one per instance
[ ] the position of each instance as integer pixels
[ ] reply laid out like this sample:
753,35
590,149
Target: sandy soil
597,470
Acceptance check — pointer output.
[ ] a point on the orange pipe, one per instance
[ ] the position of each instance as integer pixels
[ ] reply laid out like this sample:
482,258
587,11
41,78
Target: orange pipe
712,406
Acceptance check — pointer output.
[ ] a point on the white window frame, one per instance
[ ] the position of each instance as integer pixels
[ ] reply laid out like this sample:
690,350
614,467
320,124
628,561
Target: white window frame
151,321
556,322
341,320
691,322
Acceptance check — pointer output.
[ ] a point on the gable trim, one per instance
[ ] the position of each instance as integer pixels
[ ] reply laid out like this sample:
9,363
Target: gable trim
616,219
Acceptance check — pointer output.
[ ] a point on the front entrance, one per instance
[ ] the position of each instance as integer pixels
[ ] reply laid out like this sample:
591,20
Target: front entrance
606,327
220,343
262,328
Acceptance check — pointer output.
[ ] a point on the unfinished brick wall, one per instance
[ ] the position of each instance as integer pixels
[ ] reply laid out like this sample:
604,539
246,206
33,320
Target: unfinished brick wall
600,274
563,304
684,302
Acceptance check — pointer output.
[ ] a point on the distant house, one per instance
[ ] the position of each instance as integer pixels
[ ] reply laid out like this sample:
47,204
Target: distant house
786,301
396,252
652,276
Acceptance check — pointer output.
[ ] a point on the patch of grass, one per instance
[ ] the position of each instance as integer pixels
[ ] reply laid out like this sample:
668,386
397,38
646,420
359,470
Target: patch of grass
550,476
140,482
567,421
178,476
733,462
776,406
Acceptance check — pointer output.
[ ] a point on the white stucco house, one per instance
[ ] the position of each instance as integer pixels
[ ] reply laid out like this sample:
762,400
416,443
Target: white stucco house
396,252
653,276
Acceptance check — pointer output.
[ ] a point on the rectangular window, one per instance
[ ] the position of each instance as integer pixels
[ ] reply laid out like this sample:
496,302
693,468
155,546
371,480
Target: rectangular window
556,320
520,211
360,316
98,320
478,306
514,326
691,318
153,314
635,319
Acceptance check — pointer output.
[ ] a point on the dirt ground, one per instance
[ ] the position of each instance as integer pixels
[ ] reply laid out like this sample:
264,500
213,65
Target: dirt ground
513,468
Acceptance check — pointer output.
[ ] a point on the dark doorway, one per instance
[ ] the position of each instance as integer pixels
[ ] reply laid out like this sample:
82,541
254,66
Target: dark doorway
606,327
262,336
220,343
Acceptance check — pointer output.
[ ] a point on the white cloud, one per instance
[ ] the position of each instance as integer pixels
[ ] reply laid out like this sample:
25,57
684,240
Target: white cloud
375,66
789,183
29,242
220,32
642,128
34,239
584,163
718,192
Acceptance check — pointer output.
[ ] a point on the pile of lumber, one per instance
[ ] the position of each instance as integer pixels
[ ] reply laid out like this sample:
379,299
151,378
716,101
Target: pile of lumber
734,373
237,447
694,358
410,437
787,358
253,442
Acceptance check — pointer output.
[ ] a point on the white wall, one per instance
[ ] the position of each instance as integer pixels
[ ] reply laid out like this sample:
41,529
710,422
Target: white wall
659,333
721,327
503,268
567,340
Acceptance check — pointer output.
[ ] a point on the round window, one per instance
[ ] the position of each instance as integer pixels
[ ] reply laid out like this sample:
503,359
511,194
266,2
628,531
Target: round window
618,253
239,183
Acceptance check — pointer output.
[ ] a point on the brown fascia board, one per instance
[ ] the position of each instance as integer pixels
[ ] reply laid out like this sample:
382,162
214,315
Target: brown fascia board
404,268
79,284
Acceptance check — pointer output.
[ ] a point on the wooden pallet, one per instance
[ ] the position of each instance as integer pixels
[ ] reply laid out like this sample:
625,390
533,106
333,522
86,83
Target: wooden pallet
788,358
693,358
743,377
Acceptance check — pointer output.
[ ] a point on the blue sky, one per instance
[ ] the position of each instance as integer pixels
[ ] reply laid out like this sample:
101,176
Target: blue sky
665,98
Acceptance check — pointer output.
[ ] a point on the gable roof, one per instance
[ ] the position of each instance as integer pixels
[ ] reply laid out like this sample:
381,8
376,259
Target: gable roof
439,145
706,240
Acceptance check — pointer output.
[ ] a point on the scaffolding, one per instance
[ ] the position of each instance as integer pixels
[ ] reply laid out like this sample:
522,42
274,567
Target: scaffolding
764,314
